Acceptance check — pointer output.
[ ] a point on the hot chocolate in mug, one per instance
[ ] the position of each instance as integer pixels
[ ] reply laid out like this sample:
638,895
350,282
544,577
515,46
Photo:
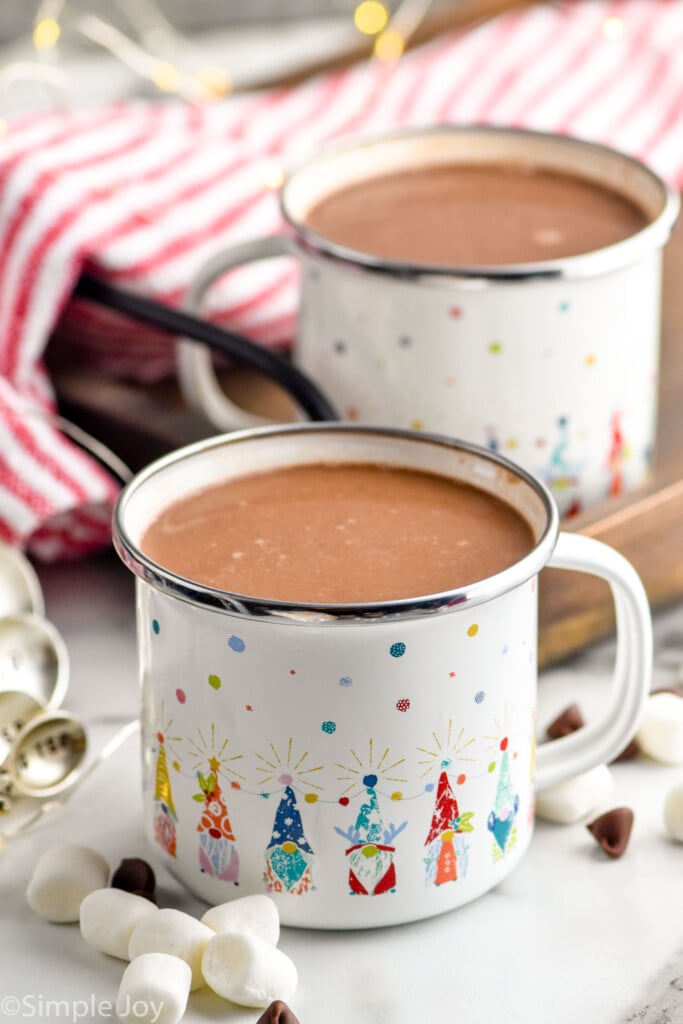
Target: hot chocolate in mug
364,763
459,322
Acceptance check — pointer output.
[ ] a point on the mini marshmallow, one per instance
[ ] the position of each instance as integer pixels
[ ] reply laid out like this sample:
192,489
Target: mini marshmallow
154,990
246,970
660,734
61,880
173,932
108,918
572,800
673,812
257,915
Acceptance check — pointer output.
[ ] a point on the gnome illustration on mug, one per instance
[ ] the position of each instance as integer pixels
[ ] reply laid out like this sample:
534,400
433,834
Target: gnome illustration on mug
217,849
371,855
289,855
502,818
165,816
445,861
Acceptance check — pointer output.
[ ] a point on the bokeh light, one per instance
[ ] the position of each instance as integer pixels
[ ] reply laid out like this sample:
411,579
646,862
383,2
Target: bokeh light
273,176
165,76
389,46
215,83
370,17
613,28
46,33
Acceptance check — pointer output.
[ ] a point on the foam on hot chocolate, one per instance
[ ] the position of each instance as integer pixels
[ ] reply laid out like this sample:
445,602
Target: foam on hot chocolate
476,215
338,533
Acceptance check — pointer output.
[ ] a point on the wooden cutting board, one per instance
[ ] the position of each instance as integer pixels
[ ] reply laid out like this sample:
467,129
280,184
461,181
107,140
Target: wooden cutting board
140,423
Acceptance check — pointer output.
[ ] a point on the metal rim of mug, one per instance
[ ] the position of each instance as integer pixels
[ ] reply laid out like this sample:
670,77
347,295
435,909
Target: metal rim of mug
584,265
296,612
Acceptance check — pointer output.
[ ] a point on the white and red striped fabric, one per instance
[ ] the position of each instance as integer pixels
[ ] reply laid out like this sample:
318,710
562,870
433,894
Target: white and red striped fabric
144,193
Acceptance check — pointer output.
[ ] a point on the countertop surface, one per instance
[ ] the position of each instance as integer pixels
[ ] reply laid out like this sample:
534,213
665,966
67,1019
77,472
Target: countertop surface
570,935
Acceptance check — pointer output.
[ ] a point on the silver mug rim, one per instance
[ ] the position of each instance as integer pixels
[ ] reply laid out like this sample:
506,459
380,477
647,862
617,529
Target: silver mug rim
593,263
487,589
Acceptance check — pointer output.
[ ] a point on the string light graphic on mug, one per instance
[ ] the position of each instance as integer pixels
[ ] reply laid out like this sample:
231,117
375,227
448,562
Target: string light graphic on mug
451,748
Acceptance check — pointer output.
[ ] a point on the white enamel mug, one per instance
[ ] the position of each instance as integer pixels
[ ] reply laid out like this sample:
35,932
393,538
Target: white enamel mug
553,363
364,764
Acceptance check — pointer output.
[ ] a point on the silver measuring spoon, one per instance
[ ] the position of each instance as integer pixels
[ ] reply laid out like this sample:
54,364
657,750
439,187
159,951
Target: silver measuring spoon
48,755
20,589
16,711
33,659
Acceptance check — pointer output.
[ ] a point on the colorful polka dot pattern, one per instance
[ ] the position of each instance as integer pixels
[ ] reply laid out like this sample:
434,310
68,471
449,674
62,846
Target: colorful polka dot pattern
588,478
320,752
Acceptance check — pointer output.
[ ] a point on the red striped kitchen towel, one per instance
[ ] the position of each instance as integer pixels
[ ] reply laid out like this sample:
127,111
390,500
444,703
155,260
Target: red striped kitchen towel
144,193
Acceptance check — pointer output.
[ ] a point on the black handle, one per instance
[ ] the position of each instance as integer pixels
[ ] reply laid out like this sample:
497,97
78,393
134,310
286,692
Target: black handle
176,322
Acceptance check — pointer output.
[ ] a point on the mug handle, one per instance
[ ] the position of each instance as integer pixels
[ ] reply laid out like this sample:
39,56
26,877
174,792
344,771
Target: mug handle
601,740
196,377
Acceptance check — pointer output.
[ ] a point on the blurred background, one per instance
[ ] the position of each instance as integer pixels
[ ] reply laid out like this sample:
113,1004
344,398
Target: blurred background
17,15
117,48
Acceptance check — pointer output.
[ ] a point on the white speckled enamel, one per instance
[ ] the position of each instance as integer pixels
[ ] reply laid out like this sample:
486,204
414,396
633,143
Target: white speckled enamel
559,375
365,765
554,364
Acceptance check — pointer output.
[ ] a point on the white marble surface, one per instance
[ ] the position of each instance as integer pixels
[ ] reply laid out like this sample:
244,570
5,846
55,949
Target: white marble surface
570,936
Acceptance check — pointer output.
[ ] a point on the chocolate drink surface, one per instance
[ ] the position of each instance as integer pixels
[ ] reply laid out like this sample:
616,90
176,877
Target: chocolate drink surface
337,534
475,215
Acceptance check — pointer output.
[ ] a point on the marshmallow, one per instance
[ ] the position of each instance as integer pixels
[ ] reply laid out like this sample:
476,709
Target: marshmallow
660,734
673,812
256,915
572,800
246,970
154,990
108,918
175,933
61,880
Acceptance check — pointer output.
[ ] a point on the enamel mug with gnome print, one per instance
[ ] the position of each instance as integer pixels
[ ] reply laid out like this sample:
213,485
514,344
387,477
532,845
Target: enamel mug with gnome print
552,361
365,764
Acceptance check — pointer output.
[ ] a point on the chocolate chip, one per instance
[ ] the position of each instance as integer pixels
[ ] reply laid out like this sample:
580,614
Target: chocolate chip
145,894
629,753
277,1013
569,721
676,690
134,875
613,830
